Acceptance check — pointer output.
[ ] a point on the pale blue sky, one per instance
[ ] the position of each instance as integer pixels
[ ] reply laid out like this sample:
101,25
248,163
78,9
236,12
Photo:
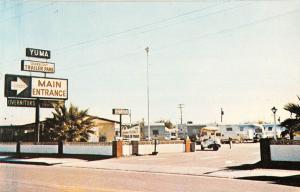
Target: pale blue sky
239,55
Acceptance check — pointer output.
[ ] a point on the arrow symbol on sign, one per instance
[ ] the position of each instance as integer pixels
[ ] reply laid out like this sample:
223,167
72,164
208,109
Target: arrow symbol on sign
18,85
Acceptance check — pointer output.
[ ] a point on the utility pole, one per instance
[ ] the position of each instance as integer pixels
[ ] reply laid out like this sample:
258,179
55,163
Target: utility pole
180,106
148,102
130,117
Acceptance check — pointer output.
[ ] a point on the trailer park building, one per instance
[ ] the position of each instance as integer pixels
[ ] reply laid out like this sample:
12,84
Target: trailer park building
105,130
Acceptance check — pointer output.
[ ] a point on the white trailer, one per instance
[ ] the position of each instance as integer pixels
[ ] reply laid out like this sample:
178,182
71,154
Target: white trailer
230,131
246,133
255,131
271,130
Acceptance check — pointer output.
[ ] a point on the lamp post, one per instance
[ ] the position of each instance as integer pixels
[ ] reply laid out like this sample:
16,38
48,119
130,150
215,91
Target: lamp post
147,51
222,113
274,112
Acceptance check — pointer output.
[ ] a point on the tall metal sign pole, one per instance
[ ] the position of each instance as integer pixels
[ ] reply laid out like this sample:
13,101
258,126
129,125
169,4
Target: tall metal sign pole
38,53
30,91
148,100
37,119
120,112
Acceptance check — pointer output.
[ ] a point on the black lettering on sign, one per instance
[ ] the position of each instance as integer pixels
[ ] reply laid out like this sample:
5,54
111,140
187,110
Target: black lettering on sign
39,53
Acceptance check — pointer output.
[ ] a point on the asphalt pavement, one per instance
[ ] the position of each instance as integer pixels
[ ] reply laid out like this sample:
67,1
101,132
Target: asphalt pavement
224,163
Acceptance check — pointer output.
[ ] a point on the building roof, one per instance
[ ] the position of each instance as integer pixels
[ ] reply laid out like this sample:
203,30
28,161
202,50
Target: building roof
104,119
33,124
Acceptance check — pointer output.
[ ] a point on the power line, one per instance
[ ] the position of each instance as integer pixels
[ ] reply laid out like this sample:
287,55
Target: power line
117,33
199,37
6,9
25,13
230,29
209,34
196,18
137,27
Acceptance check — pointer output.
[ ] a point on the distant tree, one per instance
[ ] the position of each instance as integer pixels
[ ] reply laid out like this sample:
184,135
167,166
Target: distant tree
292,124
69,125
167,123
260,122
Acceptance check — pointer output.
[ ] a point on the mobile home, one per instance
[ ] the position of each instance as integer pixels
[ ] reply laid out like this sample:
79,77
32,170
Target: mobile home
271,130
230,131
252,132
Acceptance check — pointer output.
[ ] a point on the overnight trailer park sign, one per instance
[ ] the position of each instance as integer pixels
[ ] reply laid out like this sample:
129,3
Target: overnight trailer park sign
37,66
35,87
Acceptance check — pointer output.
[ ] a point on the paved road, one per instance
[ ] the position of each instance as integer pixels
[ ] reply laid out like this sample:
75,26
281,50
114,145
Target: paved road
27,178
198,163
199,171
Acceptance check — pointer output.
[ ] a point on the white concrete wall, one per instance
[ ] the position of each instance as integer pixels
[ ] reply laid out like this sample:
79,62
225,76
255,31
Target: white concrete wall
31,148
170,148
285,153
8,148
145,149
87,149
127,150
162,148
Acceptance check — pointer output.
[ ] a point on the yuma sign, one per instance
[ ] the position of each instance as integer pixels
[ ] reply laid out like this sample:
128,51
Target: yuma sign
37,66
35,87
39,53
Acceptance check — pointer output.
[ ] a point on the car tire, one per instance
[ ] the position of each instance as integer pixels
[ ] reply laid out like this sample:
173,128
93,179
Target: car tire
215,148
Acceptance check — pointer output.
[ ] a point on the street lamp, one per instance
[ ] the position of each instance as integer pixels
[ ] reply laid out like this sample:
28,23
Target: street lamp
222,113
147,51
274,112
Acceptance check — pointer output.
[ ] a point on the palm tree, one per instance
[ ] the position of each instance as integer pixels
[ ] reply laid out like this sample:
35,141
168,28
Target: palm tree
69,125
292,124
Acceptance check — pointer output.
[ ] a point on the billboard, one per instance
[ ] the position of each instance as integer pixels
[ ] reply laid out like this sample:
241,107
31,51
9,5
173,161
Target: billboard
120,111
35,87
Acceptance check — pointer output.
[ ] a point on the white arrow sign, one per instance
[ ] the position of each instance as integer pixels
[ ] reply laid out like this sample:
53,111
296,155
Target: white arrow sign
18,85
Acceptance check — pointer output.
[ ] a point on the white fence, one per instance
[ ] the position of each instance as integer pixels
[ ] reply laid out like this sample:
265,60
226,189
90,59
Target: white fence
285,153
83,148
88,149
39,148
162,147
8,147
127,149
53,148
